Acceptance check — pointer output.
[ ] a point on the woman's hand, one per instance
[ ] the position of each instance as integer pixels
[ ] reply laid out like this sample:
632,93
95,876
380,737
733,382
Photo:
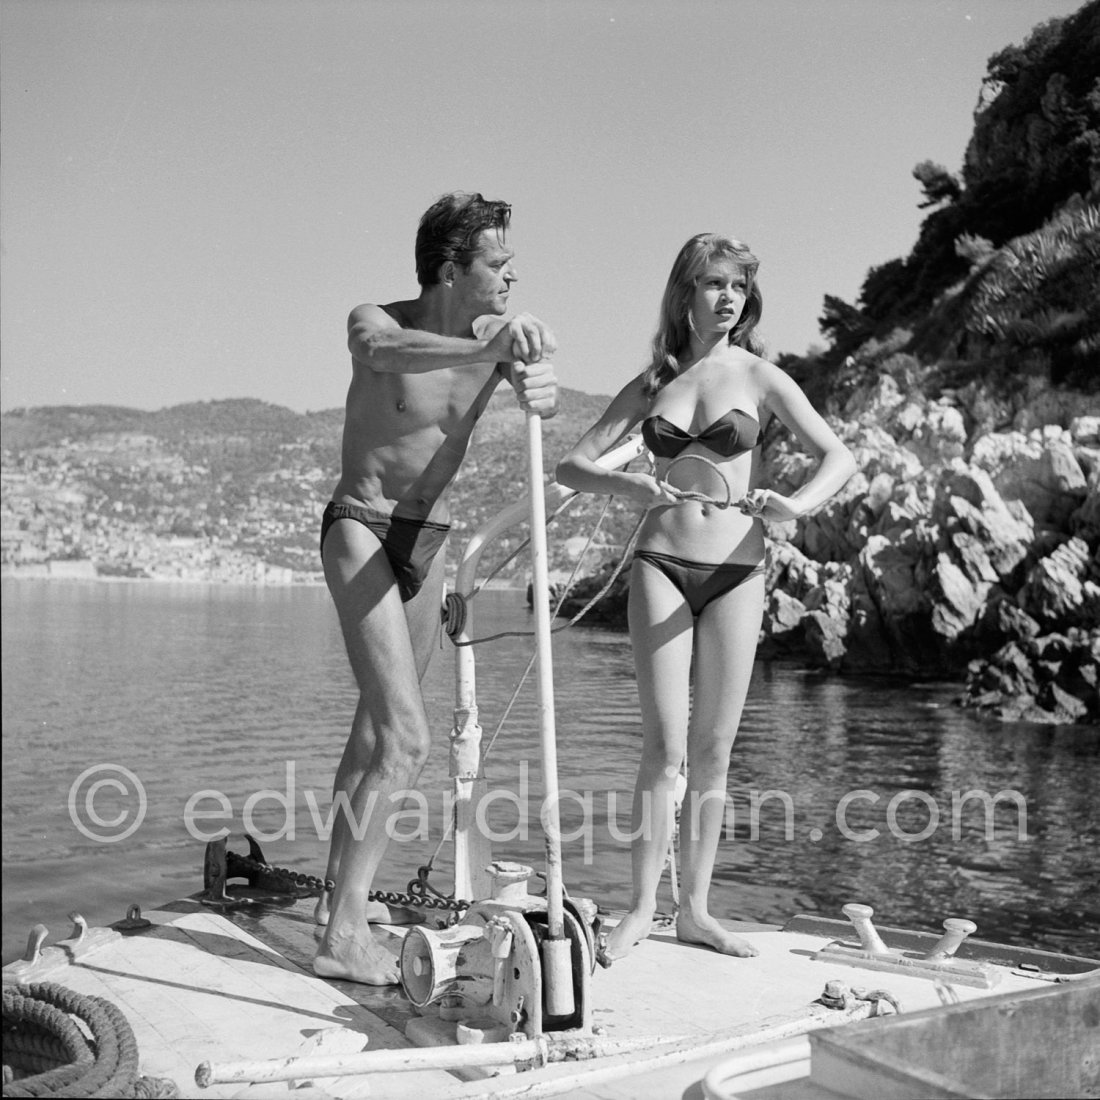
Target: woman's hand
765,504
646,489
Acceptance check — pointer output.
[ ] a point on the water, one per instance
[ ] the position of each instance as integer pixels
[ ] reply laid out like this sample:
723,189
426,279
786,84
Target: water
219,693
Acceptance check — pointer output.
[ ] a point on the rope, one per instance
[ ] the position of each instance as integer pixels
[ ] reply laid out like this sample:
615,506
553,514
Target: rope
47,1054
692,494
623,559
455,605
838,995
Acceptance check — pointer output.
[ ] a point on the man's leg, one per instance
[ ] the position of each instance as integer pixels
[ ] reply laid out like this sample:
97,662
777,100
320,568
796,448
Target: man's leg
422,614
386,749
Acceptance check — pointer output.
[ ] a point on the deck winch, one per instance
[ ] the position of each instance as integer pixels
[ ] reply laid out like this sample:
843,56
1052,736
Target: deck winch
484,979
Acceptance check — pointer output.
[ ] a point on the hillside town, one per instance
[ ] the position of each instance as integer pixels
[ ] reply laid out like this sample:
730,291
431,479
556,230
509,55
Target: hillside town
123,506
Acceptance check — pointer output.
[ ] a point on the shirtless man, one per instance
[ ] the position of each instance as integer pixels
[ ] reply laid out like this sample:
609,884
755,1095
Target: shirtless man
422,374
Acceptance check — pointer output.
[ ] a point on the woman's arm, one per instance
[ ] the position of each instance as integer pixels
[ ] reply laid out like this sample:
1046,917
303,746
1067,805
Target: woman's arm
579,469
784,398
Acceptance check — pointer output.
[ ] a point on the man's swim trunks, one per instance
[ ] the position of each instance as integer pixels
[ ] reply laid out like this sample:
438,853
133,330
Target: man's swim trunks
410,545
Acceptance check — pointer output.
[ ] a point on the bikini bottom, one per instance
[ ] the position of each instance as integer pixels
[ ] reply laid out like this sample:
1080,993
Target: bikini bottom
410,545
698,582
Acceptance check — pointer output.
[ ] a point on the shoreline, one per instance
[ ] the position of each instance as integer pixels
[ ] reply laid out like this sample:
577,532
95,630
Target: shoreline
22,573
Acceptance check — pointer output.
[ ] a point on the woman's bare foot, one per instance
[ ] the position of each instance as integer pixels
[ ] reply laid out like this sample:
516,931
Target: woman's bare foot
378,912
626,935
356,959
705,930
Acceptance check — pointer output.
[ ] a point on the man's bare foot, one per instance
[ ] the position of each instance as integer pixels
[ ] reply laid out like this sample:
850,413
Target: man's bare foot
707,931
378,912
626,935
360,959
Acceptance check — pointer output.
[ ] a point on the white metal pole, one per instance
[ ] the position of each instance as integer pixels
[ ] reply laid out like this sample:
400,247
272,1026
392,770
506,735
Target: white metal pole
557,956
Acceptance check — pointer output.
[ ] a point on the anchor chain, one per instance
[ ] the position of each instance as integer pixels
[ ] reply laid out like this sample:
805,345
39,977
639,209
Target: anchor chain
419,894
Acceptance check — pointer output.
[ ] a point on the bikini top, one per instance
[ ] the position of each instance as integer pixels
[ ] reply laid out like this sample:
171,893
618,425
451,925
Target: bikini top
729,435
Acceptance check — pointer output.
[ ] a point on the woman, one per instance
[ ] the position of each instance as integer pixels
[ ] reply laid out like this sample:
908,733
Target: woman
697,581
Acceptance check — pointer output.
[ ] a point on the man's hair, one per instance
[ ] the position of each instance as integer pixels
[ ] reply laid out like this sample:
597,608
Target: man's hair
450,228
673,336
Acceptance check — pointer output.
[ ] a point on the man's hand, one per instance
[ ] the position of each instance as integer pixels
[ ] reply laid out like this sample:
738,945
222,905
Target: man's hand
523,339
536,386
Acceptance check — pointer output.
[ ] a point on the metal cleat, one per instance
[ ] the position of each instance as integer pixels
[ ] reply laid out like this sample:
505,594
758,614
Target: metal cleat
939,964
85,941
36,964
869,940
955,931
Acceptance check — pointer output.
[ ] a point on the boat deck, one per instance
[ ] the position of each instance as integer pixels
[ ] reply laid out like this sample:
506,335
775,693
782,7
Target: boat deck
202,985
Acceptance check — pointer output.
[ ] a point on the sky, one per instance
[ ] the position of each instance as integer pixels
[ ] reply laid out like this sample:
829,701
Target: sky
195,193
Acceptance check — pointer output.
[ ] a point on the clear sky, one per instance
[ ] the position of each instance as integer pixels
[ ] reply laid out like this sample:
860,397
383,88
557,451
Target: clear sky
194,193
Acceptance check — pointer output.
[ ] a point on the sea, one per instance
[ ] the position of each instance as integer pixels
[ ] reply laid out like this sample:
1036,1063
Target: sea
143,719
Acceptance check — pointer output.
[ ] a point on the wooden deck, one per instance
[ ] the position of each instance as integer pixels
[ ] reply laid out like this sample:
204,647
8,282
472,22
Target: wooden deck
206,986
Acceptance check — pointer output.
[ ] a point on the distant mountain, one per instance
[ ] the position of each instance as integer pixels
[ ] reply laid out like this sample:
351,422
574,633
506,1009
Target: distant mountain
209,489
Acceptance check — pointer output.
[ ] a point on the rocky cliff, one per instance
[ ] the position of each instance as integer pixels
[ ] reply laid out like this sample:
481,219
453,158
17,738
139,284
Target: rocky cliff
966,381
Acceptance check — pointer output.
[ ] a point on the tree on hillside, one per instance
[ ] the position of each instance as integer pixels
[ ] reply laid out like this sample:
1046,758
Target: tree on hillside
1035,146
937,183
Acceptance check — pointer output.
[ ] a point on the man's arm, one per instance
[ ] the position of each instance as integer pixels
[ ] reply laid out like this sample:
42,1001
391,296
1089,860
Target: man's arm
379,342
376,340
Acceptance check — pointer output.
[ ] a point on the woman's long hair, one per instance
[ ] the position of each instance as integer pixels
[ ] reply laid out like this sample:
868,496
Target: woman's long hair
673,336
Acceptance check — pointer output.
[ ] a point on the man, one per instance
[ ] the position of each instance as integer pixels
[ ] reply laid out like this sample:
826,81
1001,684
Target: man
423,371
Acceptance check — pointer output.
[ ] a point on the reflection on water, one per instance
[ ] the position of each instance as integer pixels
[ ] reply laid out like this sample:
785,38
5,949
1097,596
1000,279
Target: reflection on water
840,790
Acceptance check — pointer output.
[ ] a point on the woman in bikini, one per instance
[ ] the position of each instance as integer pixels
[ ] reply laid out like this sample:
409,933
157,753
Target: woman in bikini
697,581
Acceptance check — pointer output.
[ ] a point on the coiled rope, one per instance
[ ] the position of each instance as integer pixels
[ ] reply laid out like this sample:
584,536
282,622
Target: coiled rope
692,494
47,1053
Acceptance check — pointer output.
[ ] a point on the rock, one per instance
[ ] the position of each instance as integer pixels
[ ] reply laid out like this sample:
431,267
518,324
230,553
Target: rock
868,645
1002,621
782,630
1005,534
879,492
825,639
956,598
1058,589
825,534
1062,706
971,555
1050,679
890,574
1085,521
1085,431
1039,469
